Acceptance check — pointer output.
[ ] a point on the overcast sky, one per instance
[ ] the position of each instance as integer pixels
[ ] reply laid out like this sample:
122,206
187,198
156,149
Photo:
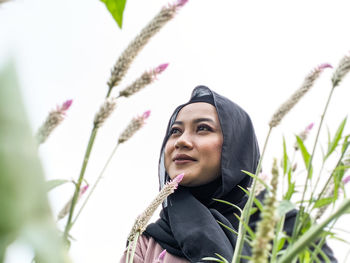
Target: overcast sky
254,52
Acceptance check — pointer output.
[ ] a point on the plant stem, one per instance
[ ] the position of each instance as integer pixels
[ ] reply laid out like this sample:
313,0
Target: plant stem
97,181
134,247
312,233
246,211
80,180
301,210
279,229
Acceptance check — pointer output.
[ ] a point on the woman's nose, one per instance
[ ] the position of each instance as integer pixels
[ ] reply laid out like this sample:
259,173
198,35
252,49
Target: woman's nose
184,141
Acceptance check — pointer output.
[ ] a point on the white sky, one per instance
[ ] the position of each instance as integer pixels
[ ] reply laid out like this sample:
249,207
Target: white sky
253,52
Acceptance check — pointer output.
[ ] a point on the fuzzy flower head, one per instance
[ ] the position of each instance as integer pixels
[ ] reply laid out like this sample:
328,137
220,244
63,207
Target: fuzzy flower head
54,118
126,58
105,111
65,210
297,95
146,78
342,69
142,220
135,124
265,228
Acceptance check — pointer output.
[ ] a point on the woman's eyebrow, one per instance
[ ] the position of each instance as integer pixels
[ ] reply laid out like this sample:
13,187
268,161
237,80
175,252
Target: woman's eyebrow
195,121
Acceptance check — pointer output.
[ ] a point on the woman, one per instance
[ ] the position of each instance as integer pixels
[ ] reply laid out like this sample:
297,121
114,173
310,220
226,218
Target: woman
211,140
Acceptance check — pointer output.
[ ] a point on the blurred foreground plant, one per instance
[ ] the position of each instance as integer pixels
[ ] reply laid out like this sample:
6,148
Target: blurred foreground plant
25,211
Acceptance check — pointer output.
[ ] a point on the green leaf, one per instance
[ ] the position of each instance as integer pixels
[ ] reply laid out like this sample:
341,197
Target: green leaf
116,8
256,200
212,259
334,143
290,192
24,206
228,203
51,184
284,207
346,144
305,154
285,157
258,179
247,227
323,201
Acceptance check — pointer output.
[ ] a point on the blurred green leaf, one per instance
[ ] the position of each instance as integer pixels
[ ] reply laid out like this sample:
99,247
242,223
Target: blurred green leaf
116,8
334,143
290,192
284,207
323,201
51,184
23,200
305,154
346,144
285,157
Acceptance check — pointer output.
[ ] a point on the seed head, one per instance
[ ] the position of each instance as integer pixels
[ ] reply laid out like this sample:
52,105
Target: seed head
105,111
297,95
124,61
133,127
142,220
54,118
342,69
146,78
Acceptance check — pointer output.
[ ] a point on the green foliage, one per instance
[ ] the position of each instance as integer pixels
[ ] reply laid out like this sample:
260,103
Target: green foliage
306,155
335,141
24,205
116,8
51,184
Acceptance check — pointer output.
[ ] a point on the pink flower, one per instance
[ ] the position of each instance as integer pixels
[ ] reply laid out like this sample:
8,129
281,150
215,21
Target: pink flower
181,3
161,68
66,105
146,114
324,65
309,127
346,179
178,179
161,256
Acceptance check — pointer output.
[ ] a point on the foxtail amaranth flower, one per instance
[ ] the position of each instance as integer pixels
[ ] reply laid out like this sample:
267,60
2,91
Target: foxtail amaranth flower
142,220
66,208
124,61
342,69
297,95
146,78
303,135
161,256
265,229
133,127
105,111
54,118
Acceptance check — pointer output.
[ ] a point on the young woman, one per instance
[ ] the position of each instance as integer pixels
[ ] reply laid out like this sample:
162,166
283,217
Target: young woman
211,140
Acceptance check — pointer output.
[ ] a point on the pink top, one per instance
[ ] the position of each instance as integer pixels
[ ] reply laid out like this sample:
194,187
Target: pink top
148,250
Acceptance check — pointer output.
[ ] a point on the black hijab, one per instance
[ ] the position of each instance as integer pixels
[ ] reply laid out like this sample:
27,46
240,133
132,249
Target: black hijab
188,221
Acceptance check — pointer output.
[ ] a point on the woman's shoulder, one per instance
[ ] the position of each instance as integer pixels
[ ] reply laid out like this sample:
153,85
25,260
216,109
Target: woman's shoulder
148,251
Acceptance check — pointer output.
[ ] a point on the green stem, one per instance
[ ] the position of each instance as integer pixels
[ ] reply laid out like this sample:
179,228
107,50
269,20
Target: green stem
301,210
96,183
312,234
279,230
80,180
134,247
246,211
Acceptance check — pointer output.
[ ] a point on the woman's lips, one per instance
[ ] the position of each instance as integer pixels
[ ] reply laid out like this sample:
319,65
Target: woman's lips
183,159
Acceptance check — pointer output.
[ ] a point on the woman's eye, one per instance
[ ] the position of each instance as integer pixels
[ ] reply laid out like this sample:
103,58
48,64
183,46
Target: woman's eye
204,128
174,131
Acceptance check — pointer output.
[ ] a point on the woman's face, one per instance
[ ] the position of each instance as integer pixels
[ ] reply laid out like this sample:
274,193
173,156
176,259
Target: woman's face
194,146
